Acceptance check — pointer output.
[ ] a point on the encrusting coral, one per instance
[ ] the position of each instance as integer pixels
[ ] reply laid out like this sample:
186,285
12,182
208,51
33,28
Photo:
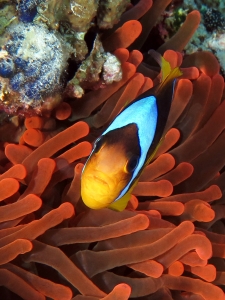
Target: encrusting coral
169,241
45,44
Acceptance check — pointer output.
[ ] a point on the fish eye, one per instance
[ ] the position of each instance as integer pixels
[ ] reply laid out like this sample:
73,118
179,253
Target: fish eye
132,163
98,144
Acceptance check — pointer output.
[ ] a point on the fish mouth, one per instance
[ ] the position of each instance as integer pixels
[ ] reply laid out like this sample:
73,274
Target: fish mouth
97,178
101,178
96,188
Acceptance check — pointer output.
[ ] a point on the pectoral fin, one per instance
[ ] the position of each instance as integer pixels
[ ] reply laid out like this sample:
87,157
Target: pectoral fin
120,204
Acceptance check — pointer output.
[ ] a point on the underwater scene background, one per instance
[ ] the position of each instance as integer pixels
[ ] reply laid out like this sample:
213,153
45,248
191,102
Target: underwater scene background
67,68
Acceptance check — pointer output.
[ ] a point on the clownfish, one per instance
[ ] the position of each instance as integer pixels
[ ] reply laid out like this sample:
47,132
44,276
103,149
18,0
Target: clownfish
129,143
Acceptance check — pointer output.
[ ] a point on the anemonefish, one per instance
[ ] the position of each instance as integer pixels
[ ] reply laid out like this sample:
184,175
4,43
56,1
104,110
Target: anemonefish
127,146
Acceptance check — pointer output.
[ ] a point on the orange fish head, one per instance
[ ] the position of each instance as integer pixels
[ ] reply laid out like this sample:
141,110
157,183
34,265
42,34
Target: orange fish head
104,176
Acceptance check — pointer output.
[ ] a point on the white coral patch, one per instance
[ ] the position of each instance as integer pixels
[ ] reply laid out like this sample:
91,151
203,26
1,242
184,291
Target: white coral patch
111,68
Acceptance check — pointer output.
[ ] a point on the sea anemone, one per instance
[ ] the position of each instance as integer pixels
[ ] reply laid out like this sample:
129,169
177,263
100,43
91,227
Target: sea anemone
169,241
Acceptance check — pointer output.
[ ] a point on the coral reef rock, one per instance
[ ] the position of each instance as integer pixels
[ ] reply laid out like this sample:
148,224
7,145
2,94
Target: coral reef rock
33,61
44,45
